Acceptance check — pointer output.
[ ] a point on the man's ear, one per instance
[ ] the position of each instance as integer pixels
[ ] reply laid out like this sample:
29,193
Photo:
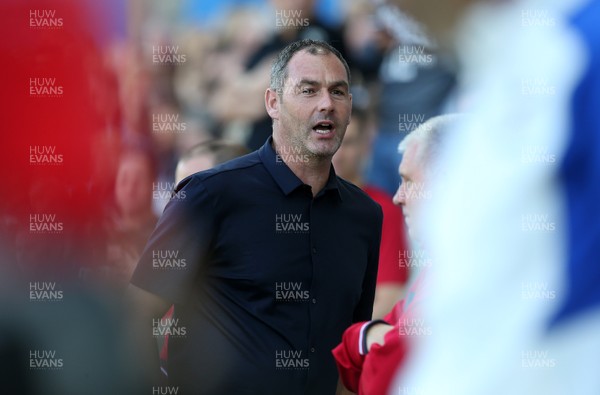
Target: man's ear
272,103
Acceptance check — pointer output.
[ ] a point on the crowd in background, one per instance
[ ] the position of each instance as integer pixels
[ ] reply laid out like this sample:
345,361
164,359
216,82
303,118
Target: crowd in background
186,73
194,73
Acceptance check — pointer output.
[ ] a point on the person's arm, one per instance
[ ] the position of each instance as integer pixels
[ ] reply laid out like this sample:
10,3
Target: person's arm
341,390
376,334
356,342
392,274
143,308
386,296
350,354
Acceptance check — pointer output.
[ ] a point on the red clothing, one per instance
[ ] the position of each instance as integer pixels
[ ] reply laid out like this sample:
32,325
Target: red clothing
393,239
372,374
164,350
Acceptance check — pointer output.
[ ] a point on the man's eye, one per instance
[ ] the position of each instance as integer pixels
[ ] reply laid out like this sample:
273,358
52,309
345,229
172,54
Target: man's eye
308,90
338,92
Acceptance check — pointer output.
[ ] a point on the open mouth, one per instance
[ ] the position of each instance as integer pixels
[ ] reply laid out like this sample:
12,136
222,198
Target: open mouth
323,127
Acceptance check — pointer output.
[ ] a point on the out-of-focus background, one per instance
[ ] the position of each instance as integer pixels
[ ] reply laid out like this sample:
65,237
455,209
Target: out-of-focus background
107,105
105,98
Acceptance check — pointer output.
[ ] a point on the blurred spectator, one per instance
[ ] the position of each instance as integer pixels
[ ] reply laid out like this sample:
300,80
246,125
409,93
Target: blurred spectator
231,83
415,81
133,220
365,41
205,155
349,162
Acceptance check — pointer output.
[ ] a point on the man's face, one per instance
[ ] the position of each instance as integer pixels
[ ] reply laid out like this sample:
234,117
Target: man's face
412,189
314,108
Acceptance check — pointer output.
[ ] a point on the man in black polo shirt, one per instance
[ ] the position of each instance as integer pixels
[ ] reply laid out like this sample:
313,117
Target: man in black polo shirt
269,257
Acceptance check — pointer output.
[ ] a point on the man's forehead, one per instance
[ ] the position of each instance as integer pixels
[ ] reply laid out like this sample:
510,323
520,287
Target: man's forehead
306,66
409,157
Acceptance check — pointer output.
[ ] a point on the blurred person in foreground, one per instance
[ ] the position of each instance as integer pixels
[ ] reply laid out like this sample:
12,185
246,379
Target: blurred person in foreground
254,250
371,351
515,237
349,162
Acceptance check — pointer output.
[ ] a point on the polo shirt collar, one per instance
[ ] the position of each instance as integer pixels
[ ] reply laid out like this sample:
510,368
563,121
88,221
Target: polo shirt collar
332,184
284,176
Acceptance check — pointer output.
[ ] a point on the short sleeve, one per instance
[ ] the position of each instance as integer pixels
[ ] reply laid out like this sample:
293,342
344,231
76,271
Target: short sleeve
171,261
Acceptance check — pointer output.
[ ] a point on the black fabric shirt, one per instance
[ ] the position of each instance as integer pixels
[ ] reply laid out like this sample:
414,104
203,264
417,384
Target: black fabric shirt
264,277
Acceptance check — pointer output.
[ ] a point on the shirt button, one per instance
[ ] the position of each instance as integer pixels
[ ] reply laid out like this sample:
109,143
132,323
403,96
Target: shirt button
314,300
312,349
314,250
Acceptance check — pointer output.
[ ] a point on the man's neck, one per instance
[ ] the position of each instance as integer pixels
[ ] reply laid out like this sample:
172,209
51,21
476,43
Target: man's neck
311,170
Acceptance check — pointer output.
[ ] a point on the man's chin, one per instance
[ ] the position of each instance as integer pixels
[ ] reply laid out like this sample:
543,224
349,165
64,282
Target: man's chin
324,154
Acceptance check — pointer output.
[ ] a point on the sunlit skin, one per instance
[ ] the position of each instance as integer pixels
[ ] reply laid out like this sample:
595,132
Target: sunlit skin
315,96
412,175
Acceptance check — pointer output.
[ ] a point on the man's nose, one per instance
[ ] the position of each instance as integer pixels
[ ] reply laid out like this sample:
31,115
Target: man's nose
399,196
326,102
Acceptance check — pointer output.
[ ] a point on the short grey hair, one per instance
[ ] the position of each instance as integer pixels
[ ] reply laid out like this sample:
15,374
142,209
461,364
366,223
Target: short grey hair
279,69
430,135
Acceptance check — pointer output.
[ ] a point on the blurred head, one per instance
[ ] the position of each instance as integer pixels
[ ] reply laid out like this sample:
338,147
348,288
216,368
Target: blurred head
206,155
420,150
133,189
440,17
309,98
350,159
